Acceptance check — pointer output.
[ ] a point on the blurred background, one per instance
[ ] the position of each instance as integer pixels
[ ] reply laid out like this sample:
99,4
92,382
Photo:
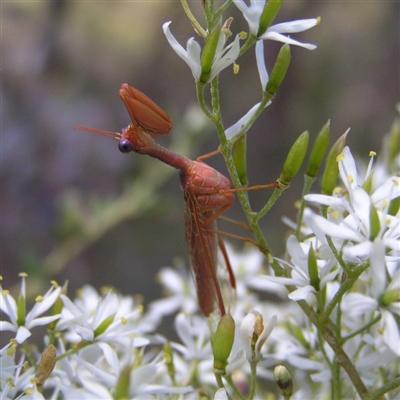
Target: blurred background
74,208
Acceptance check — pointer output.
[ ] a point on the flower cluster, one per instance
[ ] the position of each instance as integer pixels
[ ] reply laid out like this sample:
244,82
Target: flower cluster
329,309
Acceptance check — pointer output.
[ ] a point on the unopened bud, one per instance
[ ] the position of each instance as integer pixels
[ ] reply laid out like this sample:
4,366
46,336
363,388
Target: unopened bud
271,8
331,171
122,386
279,70
222,341
313,269
318,151
46,365
240,159
284,381
294,159
209,50
374,223
169,360
389,297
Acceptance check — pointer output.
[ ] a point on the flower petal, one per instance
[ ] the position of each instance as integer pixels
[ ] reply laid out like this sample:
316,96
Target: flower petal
284,39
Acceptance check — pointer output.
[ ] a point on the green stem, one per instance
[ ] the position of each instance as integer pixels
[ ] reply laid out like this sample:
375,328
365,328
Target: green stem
363,329
272,200
378,393
200,97
344,288
253,381
197,27
249,42
29,354
218,378
232,385
220,10
341,357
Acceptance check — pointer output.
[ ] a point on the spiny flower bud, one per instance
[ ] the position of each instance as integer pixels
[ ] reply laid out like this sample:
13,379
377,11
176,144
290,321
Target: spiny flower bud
222,341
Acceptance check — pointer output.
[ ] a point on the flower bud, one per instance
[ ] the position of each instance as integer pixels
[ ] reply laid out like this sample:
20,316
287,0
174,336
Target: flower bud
331,171
271,8
294,159
279,70
374,223
169,360
313,269
240,159
318,150
209,50
389,297
58,304
46,365
392,146
284,380
222,341
122,386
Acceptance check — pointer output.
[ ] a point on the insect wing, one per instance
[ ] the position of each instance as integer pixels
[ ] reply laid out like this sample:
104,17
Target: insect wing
144,112
202,245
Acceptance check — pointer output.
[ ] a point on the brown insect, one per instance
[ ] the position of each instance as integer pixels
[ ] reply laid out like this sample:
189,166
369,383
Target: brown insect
206,192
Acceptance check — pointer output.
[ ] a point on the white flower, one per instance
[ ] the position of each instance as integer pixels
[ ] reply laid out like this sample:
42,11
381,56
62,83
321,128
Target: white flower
253,13
99,319
254,334
351,222
262,69
236,128
224,56
363,306
180,295
21,323
300,272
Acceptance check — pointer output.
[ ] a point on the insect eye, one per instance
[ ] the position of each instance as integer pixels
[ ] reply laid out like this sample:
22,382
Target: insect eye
125,146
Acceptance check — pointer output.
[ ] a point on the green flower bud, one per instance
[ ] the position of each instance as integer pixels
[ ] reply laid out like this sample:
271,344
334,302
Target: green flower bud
104,325
394,206
279,71
374,223
58,304
222,341
240,159
389,297
313,269
209,50
294,159
122,386
318,150
169,360
271,8
331,171
21,310
392,145
284,380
